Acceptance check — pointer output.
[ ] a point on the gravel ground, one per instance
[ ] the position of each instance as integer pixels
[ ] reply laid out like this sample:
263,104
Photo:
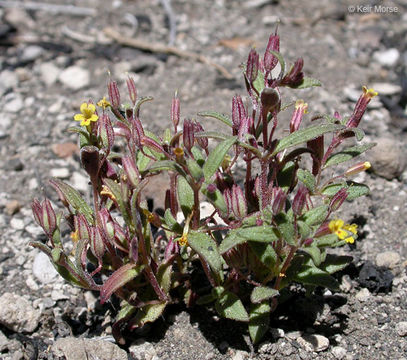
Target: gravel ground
51,60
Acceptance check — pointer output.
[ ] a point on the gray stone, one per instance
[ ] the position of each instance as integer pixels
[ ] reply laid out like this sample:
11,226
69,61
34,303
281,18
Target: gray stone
339,352
49,73
73,349
388,57
387,89
60,173
389,259
14,105
80,182
240,355
3,342
31,53
362,295
17,314
277,333
75,77
8,80
387,158
142,350
401,328
43,269
17,224
314,342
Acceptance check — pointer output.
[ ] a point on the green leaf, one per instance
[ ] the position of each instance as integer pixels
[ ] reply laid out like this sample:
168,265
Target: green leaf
198,156
307,179
205,299
315,254
285,176
258,84
126,311
216,157
316,215
212,134
347,154
164,276
146,314
74,199
229,306
116,190
185,196
334,263
286,228
327,240
171,222
261,293
216,199
354,190
142,161
78,130
359,133
166,165
140,102
304,135
308,82
304,229
310,275
280,60
218,116
259,321
265,253
206,247
264,234
194,169
118,279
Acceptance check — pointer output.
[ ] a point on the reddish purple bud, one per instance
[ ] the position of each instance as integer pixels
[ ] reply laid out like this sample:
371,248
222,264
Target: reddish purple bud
227,194
317,147
239,206
301,108
238,112
211,188
202,141
252,66
119,234
106,223
131,86
151,144
175,111
131,171
49,219
295,76
90,160
188,136
299,200
37,212
82,226
105,131
308,242
337,115
110,170
270,99
279,198
360,107
323,230
338,199
270,61
244,127
114,94
171,248
97,245
121,129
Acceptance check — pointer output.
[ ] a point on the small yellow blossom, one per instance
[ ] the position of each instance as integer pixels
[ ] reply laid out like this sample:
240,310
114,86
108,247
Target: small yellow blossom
87,114
75,236
106,191
343,230
183,240
370,93
103,103
300,104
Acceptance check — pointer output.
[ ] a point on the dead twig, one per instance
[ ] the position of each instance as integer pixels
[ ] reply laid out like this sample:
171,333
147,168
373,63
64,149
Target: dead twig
53,8
159,48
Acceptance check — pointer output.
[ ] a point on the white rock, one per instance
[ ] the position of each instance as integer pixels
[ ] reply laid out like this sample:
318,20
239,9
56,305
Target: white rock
240,355
34,230
32,284
43,269
387,158
31,53
3,342
277,333
49,73
17,314
351,93
8,80
314,342
388,259
14,105
362,295
17,224
387,89
387,57
75,77
401,328
73,349
33,184
80,182
339,352
58,295
60,173
142,349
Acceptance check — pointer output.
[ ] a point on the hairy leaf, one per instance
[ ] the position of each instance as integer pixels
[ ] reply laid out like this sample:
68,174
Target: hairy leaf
259,321
316,215
347,154
229,306
261,293
218,116
308,82
185,196
307,179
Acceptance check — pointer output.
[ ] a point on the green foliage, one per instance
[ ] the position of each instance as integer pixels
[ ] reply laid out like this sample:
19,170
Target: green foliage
266,230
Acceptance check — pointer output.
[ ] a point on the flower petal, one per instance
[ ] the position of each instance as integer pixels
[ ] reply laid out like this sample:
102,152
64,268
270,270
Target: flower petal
84,107
78,117
91,108
94,117
85,122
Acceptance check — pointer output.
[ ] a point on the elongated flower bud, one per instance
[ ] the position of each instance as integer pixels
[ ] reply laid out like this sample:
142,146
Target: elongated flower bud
188,136
227,194
317,147
299,200
131,171
270,61
151,144
97,245
37,212
131,86
252,66
244,127
175,111
295,76
105,131
49,219
114,94
90,160
82,226
338,199
239,206
202,141
238,112
106,224
358,168
301,108
270,99
360,107
279,198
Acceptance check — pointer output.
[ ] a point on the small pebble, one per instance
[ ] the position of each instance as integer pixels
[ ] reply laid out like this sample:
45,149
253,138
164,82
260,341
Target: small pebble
363,295
387,158
339,352
401,328
17,224
387,58
75,77
31,53
42,268
314,342
60,173
388,259
12,207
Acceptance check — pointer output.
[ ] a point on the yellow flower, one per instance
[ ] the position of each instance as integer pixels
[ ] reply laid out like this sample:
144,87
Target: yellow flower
300,104
183,240
75,236
370,93
103,103
87,114
343,230
106,191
